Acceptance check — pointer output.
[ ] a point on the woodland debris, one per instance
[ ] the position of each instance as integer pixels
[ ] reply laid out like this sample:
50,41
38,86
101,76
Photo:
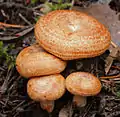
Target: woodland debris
17,35
113,55
10,25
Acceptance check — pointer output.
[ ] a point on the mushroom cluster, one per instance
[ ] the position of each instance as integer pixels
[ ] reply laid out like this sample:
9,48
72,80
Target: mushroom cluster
45,84
62,35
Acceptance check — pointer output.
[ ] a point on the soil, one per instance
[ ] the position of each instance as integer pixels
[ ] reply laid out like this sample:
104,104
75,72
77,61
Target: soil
14,101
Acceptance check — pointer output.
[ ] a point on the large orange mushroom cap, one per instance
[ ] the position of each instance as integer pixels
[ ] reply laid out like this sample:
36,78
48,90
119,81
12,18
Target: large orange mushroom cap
83,84
34,61
70,34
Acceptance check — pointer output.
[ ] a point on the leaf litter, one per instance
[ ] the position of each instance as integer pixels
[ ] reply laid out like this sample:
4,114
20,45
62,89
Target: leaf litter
14,101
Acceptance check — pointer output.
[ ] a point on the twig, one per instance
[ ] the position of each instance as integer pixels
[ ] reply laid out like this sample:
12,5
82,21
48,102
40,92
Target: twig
105,81
20,34
23,18
25,31
73,1
4,14
2,69
21,103
114,44
5,84
37,13
11,25
116,67
110,77
38,7
115,79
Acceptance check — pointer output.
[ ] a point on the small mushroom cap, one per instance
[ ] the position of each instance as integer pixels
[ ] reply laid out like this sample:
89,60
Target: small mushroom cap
70,34
45,88
83,83
34,61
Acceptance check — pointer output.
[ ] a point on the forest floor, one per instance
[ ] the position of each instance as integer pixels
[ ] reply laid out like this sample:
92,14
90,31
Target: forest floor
17,20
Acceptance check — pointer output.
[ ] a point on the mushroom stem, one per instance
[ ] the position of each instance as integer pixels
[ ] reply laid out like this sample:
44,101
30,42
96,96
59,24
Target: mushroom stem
47,105
79,101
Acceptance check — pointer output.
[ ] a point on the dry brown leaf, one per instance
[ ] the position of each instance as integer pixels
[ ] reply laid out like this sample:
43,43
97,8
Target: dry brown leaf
114,54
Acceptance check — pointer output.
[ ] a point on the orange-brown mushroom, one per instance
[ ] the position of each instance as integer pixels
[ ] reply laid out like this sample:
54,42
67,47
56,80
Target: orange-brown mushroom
70,34
82,84
46,89
34,61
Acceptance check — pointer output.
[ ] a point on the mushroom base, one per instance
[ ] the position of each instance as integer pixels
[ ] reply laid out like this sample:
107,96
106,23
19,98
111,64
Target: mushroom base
79,101
47,105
